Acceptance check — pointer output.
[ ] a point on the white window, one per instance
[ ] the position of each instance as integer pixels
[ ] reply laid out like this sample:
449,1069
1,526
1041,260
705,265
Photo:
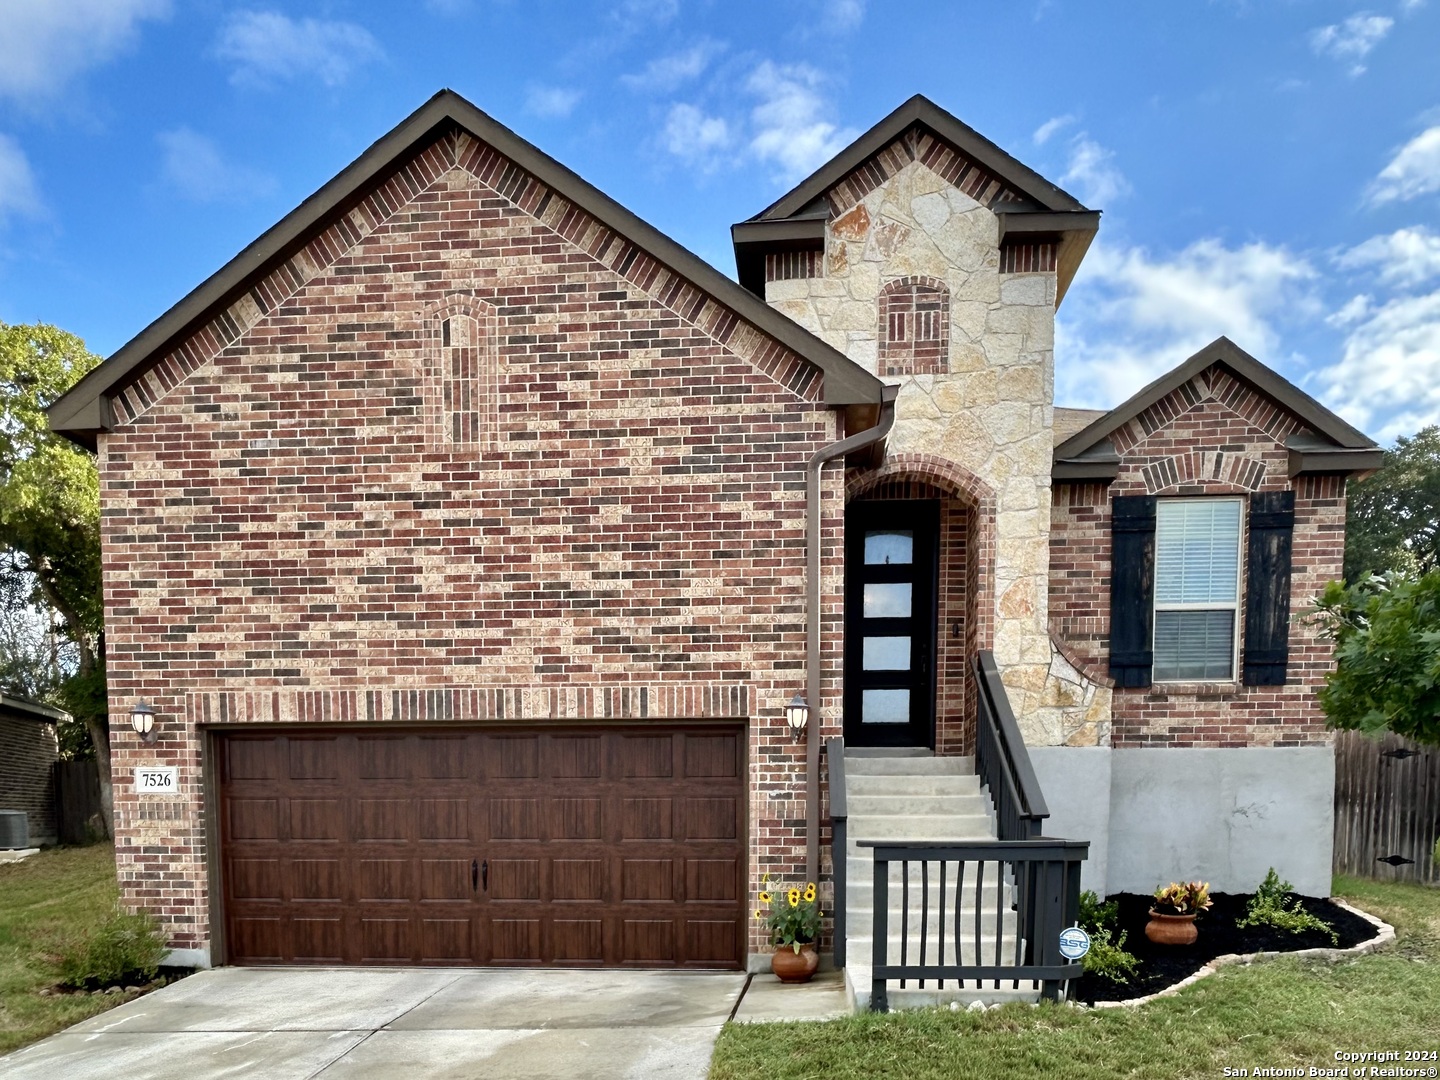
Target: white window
1197,588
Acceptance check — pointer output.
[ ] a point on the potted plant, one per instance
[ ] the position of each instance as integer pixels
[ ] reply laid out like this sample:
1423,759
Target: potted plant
1172,916
794,923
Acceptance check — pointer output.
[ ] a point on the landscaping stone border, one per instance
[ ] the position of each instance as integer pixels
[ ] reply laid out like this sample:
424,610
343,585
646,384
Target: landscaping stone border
1385,936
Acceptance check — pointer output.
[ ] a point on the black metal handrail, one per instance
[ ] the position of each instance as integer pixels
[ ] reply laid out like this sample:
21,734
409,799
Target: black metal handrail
1045,877
1001,759
839,852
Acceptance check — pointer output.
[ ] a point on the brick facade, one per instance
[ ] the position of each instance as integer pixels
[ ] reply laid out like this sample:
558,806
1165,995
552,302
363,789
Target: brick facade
585,501
1214,435
28,752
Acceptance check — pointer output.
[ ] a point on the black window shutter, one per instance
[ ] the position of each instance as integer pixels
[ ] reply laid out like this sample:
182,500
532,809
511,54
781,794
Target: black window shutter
1132,588
1267,588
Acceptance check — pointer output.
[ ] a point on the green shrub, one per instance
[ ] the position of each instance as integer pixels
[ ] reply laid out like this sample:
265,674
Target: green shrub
1095,916
1108,959
125,948
1268,908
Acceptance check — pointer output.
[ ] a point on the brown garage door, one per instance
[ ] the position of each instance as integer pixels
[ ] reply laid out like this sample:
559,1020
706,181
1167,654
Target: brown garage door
586,847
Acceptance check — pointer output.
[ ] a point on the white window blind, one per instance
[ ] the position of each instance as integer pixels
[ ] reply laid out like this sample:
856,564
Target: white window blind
1197,588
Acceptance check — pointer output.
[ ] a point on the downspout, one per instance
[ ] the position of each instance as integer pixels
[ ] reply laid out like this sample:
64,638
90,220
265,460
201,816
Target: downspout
812,614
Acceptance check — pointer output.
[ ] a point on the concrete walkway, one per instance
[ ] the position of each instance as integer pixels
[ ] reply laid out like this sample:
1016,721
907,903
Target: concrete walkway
348,1024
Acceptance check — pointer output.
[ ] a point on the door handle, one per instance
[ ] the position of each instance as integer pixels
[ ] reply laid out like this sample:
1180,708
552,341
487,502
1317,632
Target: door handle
474,875
485,876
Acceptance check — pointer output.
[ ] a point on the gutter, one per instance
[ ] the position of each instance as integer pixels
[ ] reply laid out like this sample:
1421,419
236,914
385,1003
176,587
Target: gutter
825,454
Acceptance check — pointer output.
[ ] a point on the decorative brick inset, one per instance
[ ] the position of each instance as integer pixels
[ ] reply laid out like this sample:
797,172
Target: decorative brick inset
915,327
462,377
1203,469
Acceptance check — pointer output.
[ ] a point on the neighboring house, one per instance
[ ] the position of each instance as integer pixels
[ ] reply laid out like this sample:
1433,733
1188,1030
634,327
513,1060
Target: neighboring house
457,531
28,752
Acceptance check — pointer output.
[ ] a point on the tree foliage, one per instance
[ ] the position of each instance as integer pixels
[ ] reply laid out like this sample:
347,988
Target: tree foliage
1393,518
50,520
1386,630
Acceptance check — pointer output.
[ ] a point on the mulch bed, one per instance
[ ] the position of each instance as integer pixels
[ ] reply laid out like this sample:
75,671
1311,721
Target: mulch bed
1165,965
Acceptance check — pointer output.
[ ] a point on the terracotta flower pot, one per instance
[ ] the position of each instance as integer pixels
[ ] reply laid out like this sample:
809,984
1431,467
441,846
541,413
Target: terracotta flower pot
1171,929
793,967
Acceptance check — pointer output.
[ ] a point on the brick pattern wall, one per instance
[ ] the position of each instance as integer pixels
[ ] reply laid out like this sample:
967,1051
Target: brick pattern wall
1212,436
290,534
791,265
918,144
27,751
915,327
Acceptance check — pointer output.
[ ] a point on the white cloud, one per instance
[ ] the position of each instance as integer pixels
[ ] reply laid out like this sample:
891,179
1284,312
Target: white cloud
18,194
1351,41
1050,127
1354,309
1408,256
840,16
691,135
1389,370
1092,171
1413,171
193,166
551,101
666,73
1131,316
789,127
268,47
46,43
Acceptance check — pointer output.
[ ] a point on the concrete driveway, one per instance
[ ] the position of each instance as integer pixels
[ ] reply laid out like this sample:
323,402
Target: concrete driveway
345,1024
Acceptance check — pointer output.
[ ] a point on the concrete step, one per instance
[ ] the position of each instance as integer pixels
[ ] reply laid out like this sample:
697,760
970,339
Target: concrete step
908,766
934,828
860,893
872,805
857,987
860,921
908,785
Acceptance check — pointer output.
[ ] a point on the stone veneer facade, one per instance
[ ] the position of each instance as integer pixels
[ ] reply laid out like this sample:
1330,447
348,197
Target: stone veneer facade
987,414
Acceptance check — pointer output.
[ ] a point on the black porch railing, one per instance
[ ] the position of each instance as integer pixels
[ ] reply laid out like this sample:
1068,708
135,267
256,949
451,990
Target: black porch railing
954,929
1001,760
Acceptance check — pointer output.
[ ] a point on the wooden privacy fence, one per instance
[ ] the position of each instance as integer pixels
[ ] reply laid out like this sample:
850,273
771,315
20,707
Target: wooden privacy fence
77,802
1387,807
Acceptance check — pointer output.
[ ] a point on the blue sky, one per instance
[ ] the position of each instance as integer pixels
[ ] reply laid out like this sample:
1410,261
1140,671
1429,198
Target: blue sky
1268,169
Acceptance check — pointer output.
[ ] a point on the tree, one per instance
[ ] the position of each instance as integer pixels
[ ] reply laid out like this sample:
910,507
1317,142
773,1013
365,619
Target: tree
1386,631
1393,518
50,519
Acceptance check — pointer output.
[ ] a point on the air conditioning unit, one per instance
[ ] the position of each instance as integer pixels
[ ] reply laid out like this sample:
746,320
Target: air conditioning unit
14,829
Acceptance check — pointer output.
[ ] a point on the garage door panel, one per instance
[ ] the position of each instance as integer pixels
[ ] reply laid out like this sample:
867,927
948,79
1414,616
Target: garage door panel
515,941
316,879
712,881
253,819
381,819
515,819
385,940
574,757
600,846
514,879
446,941
315,820
647,819
445,879
314,759
319,940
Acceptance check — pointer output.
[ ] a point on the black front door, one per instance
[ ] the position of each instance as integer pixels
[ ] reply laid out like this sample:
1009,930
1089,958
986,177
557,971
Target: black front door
891,555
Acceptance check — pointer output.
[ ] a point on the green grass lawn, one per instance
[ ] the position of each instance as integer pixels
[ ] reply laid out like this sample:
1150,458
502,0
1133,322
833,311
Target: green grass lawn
1280,1013
46,901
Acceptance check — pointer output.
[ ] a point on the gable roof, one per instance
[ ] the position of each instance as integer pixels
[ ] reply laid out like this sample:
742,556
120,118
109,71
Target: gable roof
85,410
1033,205
1335,446
21,709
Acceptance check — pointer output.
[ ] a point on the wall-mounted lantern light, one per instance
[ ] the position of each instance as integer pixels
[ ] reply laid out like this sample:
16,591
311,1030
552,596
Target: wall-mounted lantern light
797,715
142,719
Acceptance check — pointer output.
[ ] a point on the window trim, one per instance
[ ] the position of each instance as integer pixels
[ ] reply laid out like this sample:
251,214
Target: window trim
1237,605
